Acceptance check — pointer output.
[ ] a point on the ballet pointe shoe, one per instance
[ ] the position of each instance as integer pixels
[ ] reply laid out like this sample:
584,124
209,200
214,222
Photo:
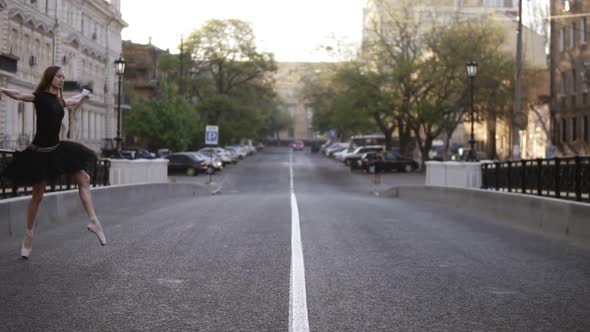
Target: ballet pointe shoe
27,246
95,227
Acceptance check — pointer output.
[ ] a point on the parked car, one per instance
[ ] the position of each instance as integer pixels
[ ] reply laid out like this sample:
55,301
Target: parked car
187,163
350,159
335,148
163,153
224,155
297,146
375,162
463,155
213,164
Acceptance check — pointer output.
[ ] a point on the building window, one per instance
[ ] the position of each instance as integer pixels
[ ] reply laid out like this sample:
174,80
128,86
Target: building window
585,128
563,133
583,28
562,39
563,83
21,117
574,133
573,35
573,101
574,82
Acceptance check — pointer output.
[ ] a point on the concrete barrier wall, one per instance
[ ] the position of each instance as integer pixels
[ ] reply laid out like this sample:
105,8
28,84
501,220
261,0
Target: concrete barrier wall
125,171
564,219
65,207
454,173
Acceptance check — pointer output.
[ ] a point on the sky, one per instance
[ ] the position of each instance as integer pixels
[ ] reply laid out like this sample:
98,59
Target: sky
294,30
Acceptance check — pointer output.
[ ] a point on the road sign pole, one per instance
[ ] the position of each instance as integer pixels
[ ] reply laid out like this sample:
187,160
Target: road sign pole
211,138
211,165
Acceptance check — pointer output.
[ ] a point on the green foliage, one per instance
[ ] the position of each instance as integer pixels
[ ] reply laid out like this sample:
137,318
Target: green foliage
167,121
344,99
229,80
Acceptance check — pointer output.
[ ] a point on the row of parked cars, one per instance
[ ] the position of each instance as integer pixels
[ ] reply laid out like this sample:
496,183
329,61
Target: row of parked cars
370,158
209,159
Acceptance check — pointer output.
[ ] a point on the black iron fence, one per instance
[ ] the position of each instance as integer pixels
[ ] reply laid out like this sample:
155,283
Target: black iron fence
99,176
565,178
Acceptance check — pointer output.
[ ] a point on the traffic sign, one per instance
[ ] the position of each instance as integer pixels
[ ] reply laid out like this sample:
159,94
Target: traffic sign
212,135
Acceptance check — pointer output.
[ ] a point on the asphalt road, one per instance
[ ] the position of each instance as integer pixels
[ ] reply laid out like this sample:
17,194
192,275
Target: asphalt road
222,262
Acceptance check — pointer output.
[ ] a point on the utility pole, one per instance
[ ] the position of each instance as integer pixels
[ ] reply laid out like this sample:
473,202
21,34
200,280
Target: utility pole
518,89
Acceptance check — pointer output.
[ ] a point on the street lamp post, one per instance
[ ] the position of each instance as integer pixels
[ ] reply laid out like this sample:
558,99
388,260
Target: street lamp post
120,69
471,72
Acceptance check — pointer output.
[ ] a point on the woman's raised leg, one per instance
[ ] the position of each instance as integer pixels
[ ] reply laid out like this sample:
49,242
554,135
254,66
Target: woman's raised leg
83,181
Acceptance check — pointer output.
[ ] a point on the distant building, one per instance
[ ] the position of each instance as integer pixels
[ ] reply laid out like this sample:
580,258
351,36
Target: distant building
289,80
570,77
141,69
83,37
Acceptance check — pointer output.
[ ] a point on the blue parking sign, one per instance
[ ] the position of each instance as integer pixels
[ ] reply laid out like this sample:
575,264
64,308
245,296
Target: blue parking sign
212,135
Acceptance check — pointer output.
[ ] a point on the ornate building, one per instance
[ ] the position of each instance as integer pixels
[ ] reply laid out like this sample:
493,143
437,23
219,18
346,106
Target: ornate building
570,76
141,70
83,37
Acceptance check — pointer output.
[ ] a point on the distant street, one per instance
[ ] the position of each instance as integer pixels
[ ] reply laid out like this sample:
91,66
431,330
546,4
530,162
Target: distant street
223,262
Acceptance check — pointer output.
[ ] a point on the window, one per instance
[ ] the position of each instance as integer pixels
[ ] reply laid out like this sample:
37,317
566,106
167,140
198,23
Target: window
574,133
562,39
563,83
585,128
574,82
21,117
583,28
563,133
573,35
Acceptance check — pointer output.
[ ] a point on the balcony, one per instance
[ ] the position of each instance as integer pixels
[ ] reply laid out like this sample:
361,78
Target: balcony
8,63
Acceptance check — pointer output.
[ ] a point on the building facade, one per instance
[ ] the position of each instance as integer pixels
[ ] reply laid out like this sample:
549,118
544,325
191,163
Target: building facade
81,36
570,76
289,80
141,69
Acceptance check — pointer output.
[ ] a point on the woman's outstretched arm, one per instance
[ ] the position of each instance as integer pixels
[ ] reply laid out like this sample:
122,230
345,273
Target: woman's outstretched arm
77,99
15,94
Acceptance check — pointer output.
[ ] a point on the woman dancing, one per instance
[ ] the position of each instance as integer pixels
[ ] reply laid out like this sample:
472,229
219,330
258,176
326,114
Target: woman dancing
47,157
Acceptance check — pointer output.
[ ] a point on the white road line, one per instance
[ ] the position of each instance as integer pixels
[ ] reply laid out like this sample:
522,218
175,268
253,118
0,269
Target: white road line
297,296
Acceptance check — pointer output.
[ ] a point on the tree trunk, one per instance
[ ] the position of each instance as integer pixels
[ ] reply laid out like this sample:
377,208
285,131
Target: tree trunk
404,137
491,124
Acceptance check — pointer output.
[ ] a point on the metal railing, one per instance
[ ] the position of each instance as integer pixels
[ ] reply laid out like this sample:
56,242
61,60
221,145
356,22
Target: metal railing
99,176
564,178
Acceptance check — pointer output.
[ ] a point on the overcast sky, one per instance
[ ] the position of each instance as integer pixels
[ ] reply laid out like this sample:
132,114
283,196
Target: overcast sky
292,29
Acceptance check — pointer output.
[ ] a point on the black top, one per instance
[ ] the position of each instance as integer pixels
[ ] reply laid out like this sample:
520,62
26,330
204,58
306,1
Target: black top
50,112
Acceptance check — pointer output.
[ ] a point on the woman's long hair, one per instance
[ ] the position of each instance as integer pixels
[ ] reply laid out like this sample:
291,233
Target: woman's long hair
46,80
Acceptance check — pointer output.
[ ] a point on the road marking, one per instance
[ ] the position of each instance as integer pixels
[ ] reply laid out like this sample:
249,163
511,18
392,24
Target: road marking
297,296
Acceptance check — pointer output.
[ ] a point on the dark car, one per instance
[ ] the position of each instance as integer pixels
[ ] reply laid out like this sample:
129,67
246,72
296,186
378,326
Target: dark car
186,163
375,162
297,146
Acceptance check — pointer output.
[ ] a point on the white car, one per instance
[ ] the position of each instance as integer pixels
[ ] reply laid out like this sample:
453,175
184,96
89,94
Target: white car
350,158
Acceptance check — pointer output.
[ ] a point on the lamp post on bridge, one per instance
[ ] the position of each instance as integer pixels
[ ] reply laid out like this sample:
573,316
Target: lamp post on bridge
471,72
120,69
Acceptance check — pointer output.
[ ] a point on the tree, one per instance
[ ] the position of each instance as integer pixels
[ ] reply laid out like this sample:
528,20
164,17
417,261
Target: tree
342,99
165,121
229,79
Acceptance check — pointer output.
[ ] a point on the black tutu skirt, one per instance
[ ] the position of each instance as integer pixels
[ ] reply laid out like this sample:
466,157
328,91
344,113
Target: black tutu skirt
30,166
